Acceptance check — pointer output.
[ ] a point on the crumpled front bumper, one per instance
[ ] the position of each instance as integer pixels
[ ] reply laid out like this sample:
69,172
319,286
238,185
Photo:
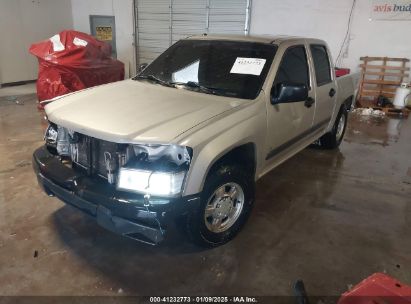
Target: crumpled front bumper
118,211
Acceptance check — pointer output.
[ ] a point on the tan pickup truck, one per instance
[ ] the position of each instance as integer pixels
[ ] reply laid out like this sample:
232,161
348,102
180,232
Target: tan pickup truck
183,143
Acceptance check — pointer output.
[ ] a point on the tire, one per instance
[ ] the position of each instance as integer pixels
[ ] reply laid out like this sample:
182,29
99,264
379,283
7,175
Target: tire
333,139
200,226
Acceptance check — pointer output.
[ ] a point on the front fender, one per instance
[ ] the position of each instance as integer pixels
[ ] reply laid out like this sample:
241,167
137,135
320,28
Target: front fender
245,126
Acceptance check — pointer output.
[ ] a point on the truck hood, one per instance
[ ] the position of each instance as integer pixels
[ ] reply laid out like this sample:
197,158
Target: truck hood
136,111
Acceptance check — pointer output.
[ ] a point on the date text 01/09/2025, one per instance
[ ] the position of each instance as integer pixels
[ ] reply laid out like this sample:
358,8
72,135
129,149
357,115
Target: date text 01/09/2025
203,299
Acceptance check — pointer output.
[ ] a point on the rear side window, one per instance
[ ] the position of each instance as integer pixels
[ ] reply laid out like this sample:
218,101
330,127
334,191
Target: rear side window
293,67
321,64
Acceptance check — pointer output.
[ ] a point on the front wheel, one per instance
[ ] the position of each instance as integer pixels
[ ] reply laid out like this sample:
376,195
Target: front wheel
333,139
225,205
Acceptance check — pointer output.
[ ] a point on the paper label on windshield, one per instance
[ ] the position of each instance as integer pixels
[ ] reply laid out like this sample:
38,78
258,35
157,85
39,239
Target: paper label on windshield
248,66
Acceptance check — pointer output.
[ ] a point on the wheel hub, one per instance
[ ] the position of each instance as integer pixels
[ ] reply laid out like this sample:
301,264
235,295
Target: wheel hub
224,207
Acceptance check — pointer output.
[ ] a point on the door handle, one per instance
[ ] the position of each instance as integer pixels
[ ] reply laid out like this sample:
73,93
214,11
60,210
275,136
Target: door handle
309,102
332,92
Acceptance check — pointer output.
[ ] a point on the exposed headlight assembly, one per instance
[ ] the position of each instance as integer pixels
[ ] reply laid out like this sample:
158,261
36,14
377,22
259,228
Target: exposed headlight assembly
176,154
151,182
158,170
57,137
51,136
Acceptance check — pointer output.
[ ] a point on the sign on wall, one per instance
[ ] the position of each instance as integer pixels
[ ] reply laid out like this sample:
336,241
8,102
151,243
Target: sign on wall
104,33
104,29
391,10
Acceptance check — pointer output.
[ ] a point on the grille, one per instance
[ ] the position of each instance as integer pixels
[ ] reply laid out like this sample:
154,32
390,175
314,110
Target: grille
90,153
83,157
100,148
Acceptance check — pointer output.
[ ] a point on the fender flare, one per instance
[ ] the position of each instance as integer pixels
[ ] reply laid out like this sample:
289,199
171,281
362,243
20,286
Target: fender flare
220,146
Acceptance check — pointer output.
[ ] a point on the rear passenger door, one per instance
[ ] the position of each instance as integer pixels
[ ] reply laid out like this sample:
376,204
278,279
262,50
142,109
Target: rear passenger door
326,90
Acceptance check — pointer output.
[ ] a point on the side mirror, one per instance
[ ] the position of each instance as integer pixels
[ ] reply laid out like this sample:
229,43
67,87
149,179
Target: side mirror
288,92
142,67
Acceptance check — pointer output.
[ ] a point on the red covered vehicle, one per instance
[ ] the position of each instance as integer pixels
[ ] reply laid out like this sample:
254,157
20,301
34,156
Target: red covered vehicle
72,61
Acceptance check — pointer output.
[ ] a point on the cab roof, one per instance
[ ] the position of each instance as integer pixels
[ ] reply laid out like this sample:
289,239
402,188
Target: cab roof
277,39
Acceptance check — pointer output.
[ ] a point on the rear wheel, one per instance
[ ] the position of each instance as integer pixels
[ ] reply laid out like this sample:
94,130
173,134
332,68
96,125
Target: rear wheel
333,139
225,205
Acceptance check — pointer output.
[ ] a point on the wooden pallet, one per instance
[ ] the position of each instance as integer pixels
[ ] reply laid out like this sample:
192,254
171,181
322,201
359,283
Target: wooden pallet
380,76
394,112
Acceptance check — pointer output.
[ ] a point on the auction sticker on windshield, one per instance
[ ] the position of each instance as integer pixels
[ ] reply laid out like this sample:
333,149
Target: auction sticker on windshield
248,66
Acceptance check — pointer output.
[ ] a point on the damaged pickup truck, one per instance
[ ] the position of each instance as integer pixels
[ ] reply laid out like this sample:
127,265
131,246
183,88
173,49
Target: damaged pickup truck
183,143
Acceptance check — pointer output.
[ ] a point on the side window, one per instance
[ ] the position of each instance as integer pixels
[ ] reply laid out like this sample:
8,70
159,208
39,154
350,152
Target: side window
321,64
293,67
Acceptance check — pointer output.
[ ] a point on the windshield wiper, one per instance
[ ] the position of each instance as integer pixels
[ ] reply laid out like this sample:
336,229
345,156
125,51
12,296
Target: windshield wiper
155,79
204,89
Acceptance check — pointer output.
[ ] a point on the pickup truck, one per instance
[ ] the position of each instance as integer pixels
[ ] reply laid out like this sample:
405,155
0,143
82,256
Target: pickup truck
182,144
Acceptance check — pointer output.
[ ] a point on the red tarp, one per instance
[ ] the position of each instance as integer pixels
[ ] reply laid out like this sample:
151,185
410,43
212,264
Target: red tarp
72,61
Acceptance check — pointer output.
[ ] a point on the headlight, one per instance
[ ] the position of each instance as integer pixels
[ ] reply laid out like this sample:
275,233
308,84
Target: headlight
57,137
149,182
51,136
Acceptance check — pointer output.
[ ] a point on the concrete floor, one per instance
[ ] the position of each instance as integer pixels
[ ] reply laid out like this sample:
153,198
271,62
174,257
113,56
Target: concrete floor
330,218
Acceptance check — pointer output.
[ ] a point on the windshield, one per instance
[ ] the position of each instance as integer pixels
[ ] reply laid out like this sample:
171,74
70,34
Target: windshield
227,68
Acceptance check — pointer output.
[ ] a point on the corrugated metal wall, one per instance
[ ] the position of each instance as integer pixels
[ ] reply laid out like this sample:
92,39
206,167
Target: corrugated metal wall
160,23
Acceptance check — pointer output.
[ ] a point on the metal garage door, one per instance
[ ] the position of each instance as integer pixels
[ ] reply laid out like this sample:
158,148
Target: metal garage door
160,23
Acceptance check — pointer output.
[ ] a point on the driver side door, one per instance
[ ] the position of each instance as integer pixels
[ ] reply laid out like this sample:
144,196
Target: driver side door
290,122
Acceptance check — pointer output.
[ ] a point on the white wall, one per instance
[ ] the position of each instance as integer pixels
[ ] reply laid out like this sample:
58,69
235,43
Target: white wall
123,12
328,19
23,22
324,19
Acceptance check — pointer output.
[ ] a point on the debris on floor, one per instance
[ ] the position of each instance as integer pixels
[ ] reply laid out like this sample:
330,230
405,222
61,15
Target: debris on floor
369,112
10,100
383,111
23,163
58,252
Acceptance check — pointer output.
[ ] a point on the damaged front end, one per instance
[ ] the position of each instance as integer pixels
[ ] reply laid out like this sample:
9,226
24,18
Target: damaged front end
131,189
149,169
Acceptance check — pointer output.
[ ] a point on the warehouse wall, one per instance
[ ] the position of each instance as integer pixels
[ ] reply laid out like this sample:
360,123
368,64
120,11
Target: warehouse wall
327,19
36,20
123,12
23,22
